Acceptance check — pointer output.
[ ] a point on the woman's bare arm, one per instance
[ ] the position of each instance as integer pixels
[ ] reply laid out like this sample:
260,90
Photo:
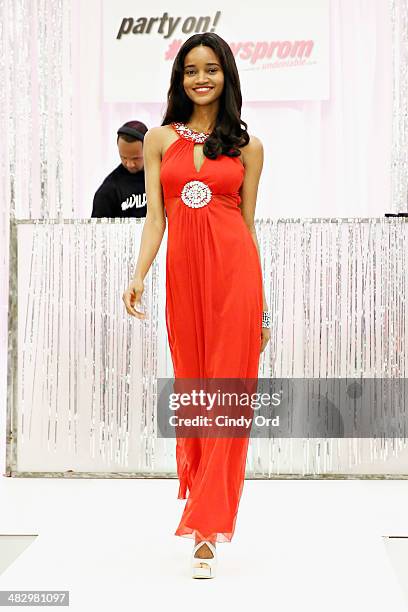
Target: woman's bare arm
253,162
155,221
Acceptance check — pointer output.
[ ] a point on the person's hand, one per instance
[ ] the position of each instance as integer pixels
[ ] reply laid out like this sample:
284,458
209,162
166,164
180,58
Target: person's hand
265,337
133,295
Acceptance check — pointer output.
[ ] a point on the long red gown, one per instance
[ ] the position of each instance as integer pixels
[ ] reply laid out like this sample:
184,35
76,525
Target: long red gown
213,318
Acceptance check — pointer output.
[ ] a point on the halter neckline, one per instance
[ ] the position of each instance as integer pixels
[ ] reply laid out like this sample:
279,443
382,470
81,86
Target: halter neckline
188,133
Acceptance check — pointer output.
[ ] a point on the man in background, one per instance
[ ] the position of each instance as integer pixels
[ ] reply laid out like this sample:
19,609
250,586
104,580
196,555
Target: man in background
122,193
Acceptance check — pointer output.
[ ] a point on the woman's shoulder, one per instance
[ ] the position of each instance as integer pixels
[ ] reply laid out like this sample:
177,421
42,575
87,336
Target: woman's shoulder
253,144
157,137
253,149
157,133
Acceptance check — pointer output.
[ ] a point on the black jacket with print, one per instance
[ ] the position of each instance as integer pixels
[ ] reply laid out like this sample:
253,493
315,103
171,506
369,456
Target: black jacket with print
122,194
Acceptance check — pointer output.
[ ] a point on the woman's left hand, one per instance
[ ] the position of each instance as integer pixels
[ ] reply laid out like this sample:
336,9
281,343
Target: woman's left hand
265,337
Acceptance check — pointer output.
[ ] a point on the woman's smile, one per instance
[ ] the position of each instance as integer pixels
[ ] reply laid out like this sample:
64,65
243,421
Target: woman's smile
202,90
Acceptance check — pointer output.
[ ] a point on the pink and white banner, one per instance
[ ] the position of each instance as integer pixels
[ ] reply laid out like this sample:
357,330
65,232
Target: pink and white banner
281,48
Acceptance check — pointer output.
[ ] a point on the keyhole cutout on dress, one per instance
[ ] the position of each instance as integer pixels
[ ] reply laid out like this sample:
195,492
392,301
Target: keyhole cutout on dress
199,157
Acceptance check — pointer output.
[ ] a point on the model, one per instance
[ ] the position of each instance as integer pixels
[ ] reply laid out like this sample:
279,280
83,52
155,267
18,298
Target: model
202,171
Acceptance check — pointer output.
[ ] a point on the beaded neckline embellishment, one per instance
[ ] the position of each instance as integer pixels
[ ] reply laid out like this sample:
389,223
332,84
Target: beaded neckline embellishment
186,132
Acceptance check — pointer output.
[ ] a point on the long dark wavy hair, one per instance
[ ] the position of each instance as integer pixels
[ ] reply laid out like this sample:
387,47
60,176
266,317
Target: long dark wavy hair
230,131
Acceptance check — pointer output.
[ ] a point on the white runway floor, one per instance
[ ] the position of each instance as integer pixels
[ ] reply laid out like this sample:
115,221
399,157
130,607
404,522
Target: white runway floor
298,545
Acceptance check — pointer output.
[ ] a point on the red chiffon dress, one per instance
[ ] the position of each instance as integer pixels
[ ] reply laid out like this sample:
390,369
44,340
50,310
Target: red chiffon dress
213,318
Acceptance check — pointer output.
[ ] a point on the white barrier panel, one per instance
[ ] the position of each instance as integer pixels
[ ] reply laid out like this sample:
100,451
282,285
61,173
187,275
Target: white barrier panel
83,373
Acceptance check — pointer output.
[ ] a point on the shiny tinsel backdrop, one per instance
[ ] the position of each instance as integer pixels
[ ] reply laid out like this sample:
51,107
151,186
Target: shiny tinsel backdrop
399,174
86,388
36,108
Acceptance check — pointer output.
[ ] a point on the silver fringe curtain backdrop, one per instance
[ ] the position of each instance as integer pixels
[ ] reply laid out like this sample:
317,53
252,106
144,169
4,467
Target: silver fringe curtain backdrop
36,108
84,383
399,170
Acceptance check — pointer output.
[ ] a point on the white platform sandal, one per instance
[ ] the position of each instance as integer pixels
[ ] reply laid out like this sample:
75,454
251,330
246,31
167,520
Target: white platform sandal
204,568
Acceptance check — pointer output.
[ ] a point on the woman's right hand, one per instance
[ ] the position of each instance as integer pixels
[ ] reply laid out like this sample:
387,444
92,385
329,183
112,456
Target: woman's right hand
132,295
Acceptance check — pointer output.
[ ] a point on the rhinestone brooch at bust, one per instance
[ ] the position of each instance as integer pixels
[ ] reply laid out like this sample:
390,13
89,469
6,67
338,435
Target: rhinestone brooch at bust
196,194
190,134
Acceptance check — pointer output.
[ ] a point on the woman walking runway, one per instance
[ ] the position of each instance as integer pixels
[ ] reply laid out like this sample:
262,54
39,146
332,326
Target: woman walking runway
202,171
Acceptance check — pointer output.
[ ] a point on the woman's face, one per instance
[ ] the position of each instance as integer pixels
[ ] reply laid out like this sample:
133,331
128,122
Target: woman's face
203,79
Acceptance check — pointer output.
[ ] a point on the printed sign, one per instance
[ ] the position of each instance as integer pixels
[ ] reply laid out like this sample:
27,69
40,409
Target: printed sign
281,47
